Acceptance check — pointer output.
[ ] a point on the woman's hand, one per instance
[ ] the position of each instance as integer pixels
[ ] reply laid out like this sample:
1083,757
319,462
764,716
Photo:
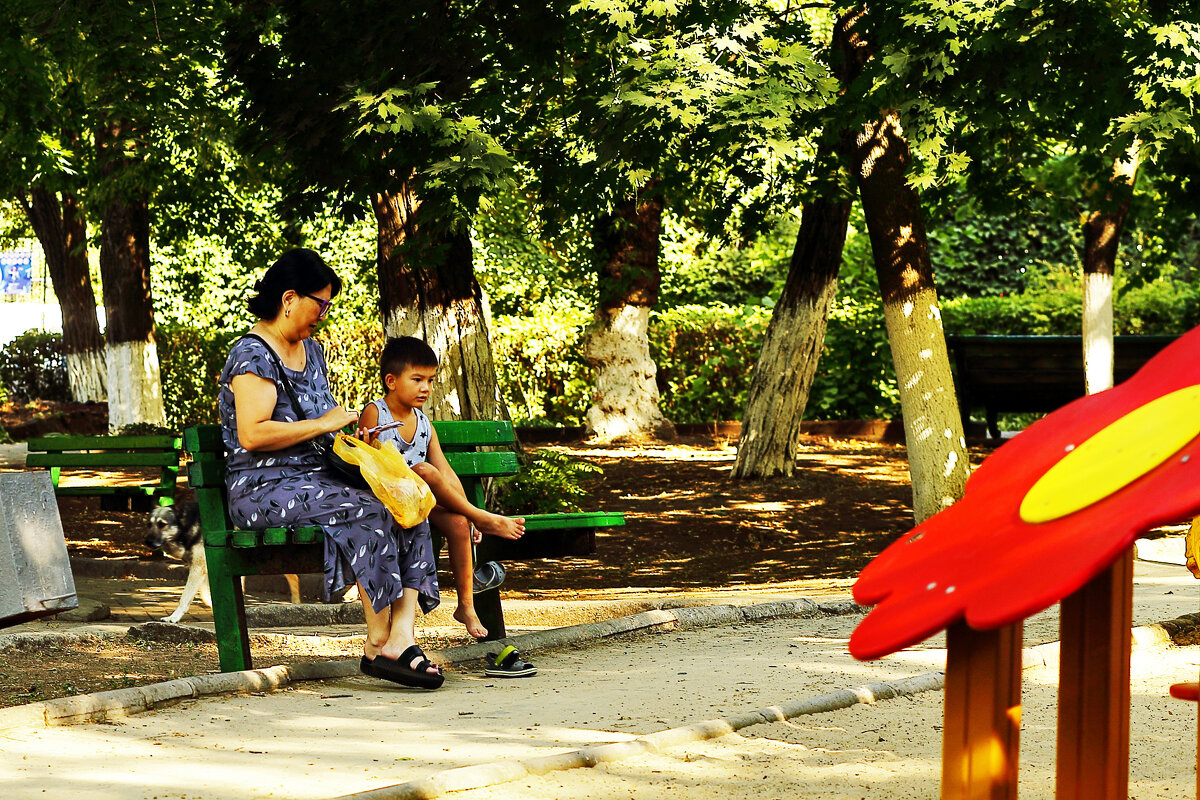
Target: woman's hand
337,418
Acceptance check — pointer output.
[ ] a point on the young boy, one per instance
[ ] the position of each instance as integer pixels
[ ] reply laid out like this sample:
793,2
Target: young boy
408,367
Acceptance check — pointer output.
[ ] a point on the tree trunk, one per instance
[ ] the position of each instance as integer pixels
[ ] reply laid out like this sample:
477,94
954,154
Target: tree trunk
134,385
1101,238
427,289
937,453
625,403
795,338
60,228
879,157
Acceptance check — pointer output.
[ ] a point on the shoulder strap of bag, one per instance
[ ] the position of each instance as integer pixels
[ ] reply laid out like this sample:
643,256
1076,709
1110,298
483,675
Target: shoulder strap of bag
287,384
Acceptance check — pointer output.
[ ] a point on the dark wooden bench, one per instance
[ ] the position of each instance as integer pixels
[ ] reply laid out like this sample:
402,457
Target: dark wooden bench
1033,373
57,452
232,553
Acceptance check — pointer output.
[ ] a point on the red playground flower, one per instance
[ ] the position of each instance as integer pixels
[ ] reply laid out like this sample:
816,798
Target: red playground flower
1047,512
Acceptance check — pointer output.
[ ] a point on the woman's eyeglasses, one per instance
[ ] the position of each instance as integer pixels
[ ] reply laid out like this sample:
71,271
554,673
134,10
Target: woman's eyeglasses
325,304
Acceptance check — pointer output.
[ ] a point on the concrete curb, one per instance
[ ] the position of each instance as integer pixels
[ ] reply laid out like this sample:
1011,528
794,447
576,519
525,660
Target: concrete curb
123,702
480,775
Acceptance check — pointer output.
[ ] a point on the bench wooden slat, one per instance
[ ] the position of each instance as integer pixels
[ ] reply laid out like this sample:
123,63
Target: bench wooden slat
483,465
565,521
271,537
113,491
60,443
101,460
473,433
204,439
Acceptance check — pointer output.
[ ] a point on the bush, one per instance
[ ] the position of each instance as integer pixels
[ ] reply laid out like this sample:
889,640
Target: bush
705,357
540,368
1161,307
189,361
32,367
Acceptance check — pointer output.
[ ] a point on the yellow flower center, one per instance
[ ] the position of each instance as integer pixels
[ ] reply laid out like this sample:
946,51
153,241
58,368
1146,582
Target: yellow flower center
1115,456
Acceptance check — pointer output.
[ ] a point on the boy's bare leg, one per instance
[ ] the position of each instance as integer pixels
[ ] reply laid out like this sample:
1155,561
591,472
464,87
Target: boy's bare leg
450,498
457,529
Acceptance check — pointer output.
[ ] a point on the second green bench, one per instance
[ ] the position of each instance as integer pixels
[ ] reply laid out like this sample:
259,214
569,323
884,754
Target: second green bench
57,452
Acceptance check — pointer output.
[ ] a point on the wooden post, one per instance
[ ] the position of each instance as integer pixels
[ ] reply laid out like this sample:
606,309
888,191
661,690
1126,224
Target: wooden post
1093,692
981,737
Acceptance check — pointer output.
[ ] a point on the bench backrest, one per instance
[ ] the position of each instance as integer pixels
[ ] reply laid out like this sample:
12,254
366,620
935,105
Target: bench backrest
1037,373
104,451
459,438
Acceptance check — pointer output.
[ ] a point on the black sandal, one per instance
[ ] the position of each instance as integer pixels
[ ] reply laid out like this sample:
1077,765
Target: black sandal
399,671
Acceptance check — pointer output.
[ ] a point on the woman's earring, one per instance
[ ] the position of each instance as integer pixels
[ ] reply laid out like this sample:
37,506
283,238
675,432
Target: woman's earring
287,312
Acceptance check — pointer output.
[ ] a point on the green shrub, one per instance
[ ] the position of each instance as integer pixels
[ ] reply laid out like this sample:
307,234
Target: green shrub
705,357
540,368
32,367
549,483
855,378
189,362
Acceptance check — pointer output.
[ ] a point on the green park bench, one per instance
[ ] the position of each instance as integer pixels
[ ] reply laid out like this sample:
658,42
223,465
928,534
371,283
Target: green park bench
1033,373
232,553
57,452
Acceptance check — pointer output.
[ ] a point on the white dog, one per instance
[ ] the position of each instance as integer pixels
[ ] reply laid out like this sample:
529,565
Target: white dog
177,532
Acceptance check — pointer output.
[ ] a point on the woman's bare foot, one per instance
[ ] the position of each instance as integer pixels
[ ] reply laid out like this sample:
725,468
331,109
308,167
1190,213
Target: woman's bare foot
396,652
470,620
504,527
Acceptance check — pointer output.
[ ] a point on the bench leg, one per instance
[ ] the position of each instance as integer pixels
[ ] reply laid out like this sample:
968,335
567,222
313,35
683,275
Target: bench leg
992,425
487,606
229,612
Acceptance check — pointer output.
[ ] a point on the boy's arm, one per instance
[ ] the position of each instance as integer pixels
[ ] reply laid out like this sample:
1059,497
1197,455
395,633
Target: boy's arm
369,418
437,459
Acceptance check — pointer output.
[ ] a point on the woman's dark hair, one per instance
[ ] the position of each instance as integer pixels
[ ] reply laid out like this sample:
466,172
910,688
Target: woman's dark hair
300,270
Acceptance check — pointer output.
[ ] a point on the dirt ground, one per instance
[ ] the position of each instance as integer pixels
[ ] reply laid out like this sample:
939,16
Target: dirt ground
688,527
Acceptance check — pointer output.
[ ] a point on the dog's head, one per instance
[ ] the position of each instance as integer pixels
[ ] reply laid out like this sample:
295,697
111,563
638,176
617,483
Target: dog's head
170,529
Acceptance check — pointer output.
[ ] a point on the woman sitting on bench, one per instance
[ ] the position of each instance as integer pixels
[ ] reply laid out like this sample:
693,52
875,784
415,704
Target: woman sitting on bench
276,406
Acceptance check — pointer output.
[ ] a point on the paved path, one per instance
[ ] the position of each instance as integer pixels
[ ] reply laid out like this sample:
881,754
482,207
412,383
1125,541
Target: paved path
335,737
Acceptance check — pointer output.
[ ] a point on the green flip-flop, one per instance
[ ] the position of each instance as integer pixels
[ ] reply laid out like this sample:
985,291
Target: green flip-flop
508,664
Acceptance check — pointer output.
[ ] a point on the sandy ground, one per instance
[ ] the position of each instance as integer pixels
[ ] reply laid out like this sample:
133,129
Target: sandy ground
332,738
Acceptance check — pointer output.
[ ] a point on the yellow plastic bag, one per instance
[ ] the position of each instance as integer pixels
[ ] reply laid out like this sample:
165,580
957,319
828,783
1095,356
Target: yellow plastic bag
1191,547
391,479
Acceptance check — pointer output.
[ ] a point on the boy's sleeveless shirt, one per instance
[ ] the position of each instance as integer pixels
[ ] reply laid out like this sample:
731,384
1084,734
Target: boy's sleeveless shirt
418,450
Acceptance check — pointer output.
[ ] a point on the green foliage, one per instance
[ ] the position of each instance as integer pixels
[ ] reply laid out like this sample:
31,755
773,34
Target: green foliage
539,366
1161,307
190,361
32,367
855,378
705,357
5,436
548,483
352,348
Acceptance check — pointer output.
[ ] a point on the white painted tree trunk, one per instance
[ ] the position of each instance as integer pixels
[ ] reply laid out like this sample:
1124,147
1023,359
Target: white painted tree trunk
87,376
1098,331
134,386
937,449
466,385
625,404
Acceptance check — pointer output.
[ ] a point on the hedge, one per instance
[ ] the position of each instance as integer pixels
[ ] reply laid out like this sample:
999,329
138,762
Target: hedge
705,355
